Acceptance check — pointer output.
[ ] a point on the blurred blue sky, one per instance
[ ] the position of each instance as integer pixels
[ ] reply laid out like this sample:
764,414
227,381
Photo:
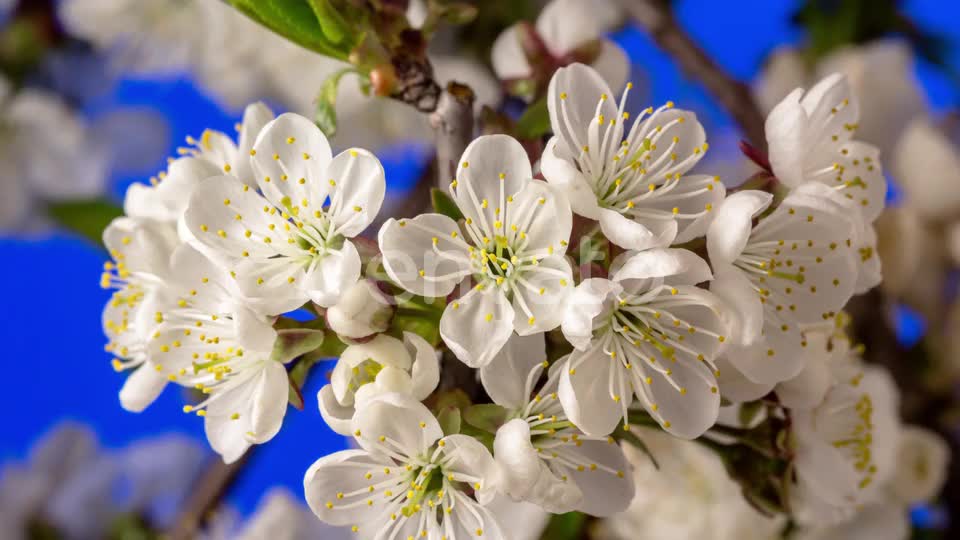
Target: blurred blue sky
50,317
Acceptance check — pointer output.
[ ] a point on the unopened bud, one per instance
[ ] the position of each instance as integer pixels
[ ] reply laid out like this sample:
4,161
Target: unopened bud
383,80
361,312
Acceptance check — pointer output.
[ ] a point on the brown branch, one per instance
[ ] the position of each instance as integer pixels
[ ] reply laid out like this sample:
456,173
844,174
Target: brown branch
452,124
205,497
657,18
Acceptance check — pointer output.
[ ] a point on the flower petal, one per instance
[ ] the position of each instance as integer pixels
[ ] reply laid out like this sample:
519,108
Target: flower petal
604,493
477,326
466,455
539,301
539,214
142,388
586,302
572,100
255,117
288,149
407,247
344,473
407,423
268,403
676,266
565,25
585,395
505,377
425,373
732,286
732,224
735,386
335,272
558,168
507,56
786,139
492,169
358,194
612,64
517,458
338,417
630,234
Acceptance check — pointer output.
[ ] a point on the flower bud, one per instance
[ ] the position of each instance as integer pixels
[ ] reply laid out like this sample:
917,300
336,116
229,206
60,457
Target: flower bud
361,312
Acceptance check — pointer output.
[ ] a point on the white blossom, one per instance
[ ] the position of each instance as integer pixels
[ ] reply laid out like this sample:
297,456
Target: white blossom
544,459
647,331
633,182
686,495
291,244
407,479
794,268
846,447
281,517
565,26
922,458
383,365
517,230
927,168
210,340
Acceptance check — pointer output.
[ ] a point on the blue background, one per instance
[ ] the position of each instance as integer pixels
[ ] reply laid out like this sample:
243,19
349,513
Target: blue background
54,367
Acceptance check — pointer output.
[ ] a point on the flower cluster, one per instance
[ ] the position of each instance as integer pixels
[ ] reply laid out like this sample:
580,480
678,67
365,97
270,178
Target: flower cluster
615,288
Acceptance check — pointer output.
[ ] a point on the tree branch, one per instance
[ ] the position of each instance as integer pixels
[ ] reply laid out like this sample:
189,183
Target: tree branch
657,18
206,495
452,124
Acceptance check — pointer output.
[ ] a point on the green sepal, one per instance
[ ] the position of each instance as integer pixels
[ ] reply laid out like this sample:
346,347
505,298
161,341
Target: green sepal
294,342
449,418
486,416
87,218
296,377
535,121
444,204
569,526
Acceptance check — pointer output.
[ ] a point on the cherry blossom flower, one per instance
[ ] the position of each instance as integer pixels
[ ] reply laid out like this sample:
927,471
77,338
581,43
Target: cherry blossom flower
209,340
291,244
363,310
544,458
633,182
407,479
794,268
516,232
383,365
647,331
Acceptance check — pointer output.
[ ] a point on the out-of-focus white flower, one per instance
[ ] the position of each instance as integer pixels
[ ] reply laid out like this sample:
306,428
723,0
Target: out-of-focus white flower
141,35
407,479
526,521
141,251
209,340
383,365
794,268
846,448
565,26
517,232
690,496
543,458
285,246
914,263
881,78
633,181
647,331
281,517
362,311
876,521
922,466
927,167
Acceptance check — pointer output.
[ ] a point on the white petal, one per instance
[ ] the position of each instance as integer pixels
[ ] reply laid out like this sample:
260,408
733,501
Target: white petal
777,356
493,168
269,403
142,388
226,436
558,168
288,149
732,286
604,493
338,417
361,185
542,212
507,56
694,408
143,245
505,377
255,117
586,303
736,387
407,247
584,394
786,138
469,517
477,326
923,457
517,457
406,422
565,25
425,373
344,472
334,273
730,230
539,303
927,167
677,266
466,455
630,234
612,64
572,99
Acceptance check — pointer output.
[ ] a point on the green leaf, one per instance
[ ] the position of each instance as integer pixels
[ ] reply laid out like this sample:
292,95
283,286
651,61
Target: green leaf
88,218
486,416
326,114
567,526
334,26
535,121
449,419
295,342
298,21
443,204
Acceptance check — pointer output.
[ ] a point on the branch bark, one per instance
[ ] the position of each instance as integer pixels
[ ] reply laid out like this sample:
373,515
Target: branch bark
452,124
657,18
206,495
